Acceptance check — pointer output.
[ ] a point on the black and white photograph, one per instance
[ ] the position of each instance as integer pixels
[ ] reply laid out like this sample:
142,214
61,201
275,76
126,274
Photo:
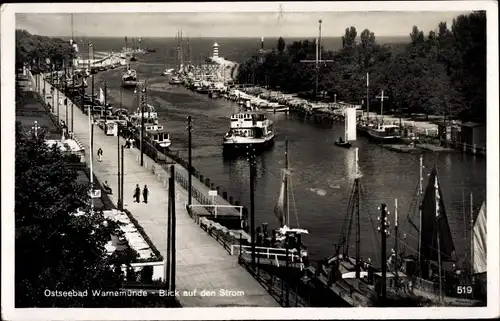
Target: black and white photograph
288,155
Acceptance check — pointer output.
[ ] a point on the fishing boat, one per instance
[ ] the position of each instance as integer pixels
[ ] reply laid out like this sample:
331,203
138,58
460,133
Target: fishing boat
281,251
129,78
248,129
356,281
435,273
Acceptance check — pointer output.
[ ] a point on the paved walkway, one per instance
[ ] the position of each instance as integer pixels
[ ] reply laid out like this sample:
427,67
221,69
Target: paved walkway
202,263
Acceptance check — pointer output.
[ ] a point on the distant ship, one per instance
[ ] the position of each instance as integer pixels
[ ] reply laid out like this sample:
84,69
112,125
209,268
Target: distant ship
129,78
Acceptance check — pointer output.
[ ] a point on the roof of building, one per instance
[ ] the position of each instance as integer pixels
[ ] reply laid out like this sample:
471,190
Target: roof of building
472,124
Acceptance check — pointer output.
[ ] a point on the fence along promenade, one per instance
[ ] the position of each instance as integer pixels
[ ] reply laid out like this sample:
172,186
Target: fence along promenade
202,263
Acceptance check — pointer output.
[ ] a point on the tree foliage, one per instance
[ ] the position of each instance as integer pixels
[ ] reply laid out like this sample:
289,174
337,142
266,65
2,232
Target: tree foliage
34,50
55,250
442,73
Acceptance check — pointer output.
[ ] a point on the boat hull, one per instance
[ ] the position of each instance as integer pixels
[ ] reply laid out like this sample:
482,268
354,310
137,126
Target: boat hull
376,138
129,84
344,144
241,148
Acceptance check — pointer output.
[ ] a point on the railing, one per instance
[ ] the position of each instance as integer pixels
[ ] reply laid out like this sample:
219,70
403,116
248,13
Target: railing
271,253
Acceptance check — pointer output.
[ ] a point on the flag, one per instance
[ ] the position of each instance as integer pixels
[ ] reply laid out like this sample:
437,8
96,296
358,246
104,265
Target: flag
367,79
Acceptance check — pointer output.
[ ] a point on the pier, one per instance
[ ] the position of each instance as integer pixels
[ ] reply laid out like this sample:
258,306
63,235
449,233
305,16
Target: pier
201,262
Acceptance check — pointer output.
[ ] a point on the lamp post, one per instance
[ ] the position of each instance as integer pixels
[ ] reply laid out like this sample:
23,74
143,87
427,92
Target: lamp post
190,182
251,161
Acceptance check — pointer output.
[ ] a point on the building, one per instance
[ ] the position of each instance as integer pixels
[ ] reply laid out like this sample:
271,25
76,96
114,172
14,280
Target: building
474,134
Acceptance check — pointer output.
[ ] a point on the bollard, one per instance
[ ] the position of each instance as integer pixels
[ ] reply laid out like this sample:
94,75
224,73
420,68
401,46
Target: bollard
207,182
231,200
201,178
224,195
236,203
158,177
212,186
165,182
218,190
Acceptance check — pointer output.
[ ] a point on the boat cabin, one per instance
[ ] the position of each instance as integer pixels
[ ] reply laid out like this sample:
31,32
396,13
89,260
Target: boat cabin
386,130
250,124
160,137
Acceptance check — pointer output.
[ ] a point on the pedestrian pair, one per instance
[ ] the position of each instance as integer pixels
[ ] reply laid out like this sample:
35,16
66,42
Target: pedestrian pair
145,193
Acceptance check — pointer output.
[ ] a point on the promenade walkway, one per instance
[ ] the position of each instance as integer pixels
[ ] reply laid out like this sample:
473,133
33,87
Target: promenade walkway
202,263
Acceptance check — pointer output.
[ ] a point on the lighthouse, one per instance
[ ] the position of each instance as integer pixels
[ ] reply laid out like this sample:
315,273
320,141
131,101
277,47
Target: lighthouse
216,50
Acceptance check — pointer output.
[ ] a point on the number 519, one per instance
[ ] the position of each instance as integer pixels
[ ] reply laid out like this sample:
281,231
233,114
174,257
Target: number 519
464,289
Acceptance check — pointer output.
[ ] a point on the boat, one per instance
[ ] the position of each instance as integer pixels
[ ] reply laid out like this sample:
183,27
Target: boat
159,137
168,72
342,143
436,275
129,78
359,282
281,251
149,114
248,129
384,133
175,80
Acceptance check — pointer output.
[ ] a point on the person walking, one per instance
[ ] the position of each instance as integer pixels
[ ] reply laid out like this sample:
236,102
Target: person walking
137,194
145,193
99,154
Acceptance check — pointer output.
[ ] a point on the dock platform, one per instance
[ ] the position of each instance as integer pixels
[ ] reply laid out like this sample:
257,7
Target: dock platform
434,148
202,263
401,148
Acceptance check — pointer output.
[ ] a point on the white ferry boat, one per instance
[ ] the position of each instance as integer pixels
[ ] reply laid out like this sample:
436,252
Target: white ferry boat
129,78
249,129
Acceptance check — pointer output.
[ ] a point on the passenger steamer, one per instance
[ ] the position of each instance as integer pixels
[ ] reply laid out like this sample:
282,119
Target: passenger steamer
248,129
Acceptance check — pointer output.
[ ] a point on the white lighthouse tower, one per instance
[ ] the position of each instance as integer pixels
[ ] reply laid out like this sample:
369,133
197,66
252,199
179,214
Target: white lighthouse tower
216,50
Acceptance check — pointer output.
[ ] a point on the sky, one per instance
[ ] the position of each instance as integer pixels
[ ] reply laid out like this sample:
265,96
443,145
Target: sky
236,24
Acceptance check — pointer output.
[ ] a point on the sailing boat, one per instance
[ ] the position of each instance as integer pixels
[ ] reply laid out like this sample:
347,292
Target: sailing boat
478,248
434,279
282,209
358,282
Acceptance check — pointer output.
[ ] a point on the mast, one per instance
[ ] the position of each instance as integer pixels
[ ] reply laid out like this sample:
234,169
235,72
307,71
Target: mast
357,199
471,235
396,247
384,232
419,202
367,98
286,203
436,187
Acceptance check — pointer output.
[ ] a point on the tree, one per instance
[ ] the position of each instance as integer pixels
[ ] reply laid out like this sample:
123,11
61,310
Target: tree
55,250
34,50
444,74
281,45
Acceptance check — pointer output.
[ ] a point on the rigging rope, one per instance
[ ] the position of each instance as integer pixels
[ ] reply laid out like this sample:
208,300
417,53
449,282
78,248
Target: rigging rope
376,241
294,204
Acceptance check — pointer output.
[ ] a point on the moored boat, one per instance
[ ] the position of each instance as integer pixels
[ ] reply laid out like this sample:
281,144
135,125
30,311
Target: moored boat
384,133
248,129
